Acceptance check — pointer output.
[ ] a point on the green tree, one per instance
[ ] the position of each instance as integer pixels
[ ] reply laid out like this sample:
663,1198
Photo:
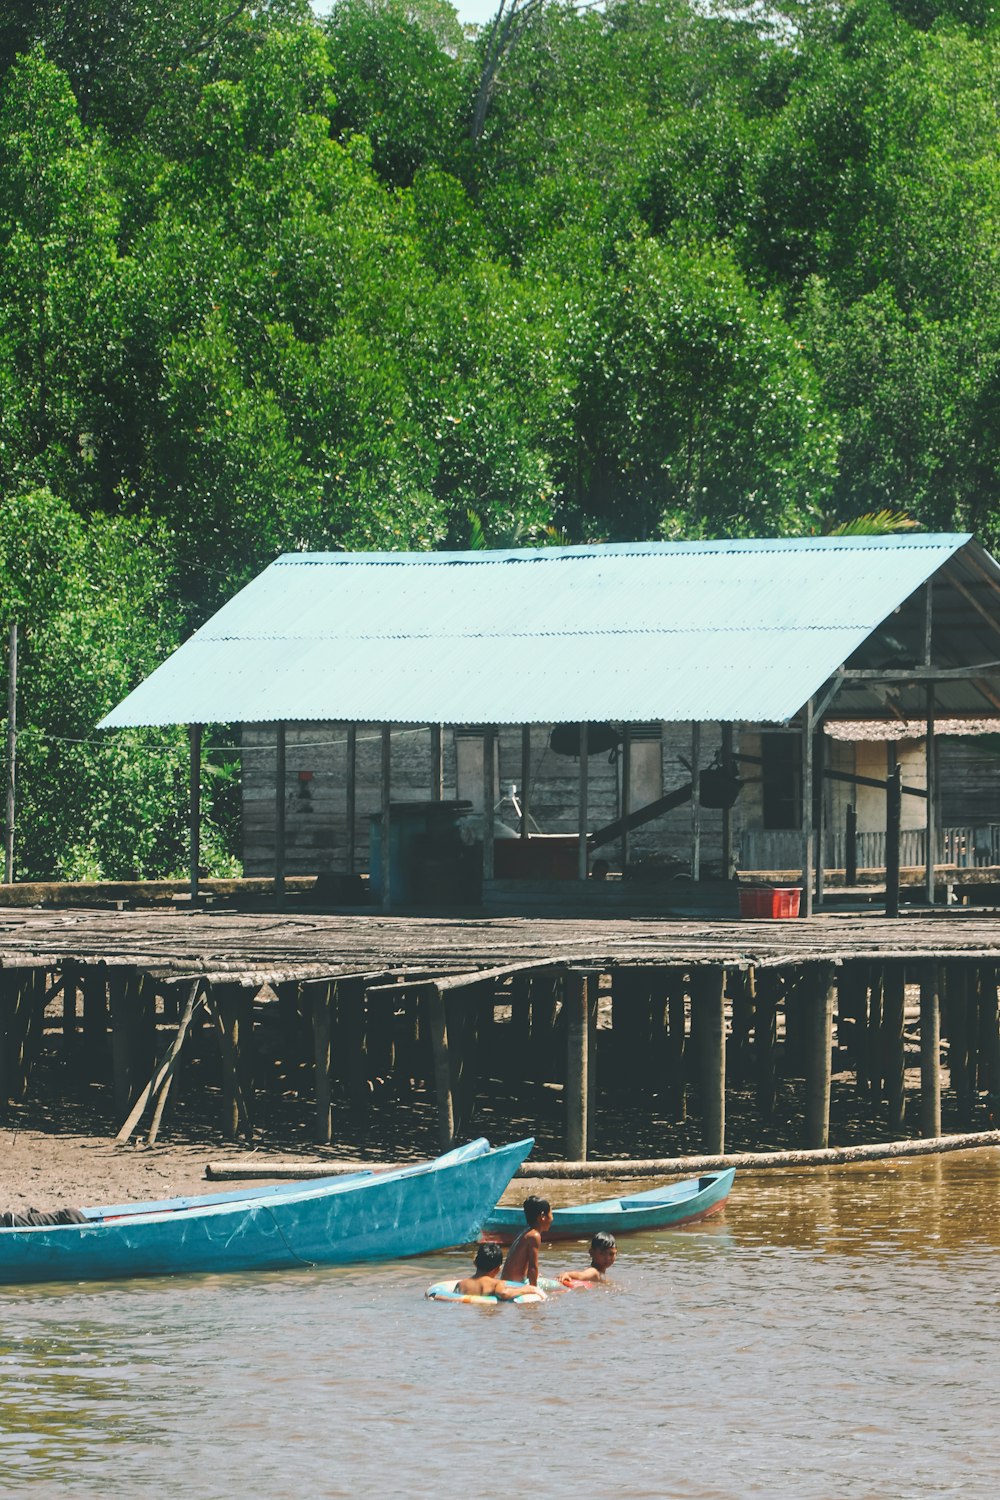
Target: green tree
699,413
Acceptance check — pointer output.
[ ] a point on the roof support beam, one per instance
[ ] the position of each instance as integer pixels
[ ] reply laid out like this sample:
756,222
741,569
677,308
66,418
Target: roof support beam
930,754
350,796
626,805
489,799
980,608
194,815
806,907
920,674
279,814
386,830
584,809
695,801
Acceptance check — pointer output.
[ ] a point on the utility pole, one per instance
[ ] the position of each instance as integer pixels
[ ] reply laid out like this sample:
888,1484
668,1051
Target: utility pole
8,836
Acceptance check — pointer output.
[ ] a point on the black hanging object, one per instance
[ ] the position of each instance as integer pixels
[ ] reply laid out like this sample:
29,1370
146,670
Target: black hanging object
565,739
718,786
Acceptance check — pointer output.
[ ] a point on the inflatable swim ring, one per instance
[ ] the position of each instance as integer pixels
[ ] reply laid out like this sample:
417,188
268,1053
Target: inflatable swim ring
444,1291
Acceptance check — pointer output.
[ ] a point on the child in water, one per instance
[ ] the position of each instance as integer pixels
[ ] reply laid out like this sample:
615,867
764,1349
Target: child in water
522,1258
486,1282
603,1254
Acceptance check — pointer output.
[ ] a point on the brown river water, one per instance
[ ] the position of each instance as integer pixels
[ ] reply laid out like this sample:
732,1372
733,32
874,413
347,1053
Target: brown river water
833,1336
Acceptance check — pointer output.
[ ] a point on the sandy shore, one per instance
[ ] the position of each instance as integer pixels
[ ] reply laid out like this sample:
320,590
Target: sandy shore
47,1171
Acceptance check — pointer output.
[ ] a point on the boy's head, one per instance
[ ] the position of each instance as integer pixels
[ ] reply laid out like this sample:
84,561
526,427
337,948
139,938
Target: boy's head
489,1258
603,1250
537,1210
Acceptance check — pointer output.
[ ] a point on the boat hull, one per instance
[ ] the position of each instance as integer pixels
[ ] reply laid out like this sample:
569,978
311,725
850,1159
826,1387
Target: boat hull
384,1216
659,1208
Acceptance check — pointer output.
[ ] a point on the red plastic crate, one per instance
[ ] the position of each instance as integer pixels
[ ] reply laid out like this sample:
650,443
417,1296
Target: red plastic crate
769,900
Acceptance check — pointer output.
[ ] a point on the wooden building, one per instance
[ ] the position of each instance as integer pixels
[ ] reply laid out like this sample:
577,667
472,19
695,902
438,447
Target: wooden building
365,683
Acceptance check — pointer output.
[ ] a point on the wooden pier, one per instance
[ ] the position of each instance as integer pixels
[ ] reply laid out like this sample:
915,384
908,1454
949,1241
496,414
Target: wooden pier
694,1007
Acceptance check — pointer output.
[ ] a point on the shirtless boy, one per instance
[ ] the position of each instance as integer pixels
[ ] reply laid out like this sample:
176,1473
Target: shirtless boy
522,1257
603,1254
486,1282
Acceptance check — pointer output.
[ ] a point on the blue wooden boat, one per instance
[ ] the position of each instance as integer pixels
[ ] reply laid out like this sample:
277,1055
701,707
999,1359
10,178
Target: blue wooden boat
657,1208
335,1221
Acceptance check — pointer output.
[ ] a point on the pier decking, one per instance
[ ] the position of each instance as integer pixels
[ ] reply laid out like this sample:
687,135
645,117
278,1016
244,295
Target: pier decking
702,1002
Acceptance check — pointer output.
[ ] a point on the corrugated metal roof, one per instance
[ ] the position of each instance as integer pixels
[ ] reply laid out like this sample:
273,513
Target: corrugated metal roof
735,630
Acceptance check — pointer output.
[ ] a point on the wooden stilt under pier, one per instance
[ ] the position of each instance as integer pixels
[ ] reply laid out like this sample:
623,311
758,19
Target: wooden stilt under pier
819,998
357,1000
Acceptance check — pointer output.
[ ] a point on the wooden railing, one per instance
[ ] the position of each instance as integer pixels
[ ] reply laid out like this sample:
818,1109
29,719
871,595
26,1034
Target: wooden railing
782,849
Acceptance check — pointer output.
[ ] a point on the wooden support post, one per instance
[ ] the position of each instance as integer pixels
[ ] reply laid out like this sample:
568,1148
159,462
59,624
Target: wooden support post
20,996
120,1000
894,1060
972,1033
727,812
7,992
695,801
930,1051
466,1010
350,799
876,1048
162,1075
519,1046
438,1022
489,800
437,763
766,1040
626,792
322,1019
818,1063
592,1003
576,995
11,778
226,1001
352,1024
741,994
806,906
851,846
989,1019
194,824
386,820
525,829
95,1019
709,997
583,817
381,1018
70,989
796,1030
861,1041
279,813
676,1045
958,1041
931,755
893,815
819,802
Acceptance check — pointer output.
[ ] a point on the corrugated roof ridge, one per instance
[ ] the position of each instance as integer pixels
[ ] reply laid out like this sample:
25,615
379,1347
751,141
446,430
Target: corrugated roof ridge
492,635
591,551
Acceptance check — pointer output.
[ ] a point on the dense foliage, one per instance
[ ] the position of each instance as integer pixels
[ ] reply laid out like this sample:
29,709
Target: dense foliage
270,281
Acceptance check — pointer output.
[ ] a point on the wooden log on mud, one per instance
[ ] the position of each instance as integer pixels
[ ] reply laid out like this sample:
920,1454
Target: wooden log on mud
258,1170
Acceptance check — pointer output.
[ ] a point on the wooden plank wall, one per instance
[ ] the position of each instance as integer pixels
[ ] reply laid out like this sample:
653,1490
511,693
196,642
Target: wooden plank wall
315,776
968,782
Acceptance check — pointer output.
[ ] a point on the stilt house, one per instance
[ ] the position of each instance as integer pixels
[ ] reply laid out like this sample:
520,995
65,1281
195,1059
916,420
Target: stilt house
505,723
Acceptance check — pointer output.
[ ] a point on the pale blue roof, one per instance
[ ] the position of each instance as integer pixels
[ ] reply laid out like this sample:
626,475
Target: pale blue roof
726,630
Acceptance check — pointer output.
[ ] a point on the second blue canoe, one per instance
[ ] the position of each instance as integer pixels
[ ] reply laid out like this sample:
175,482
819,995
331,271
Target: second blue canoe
657,1208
